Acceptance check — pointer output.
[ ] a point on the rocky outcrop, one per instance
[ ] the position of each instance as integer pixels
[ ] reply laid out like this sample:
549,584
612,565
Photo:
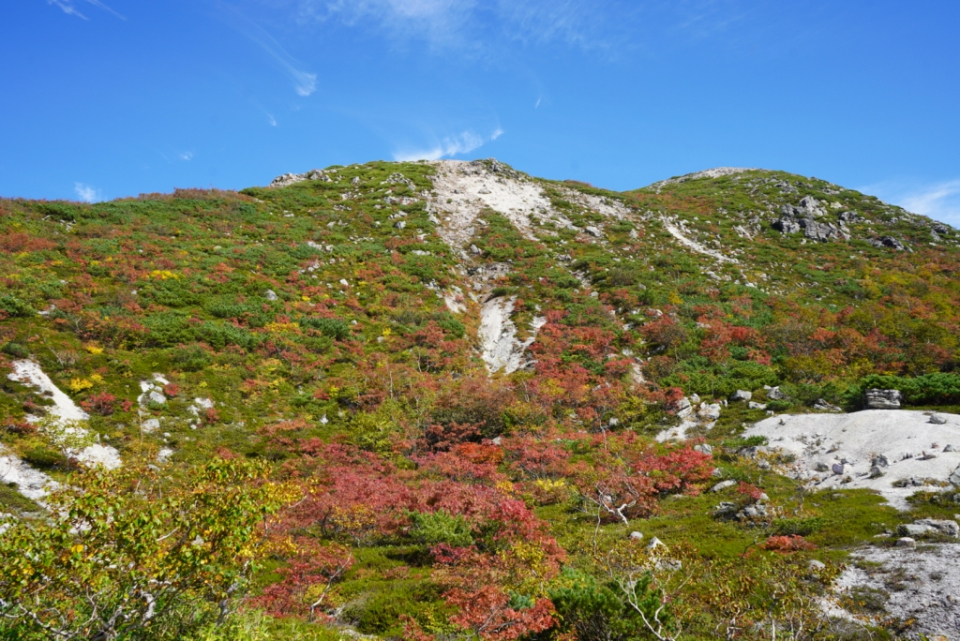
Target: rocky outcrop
882,399
888,241
290,179
804,217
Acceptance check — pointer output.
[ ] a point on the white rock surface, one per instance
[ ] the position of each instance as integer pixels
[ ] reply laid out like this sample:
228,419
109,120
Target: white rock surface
29,373
499,346
463,189
676,230
853,442
32,483
67,417
928,581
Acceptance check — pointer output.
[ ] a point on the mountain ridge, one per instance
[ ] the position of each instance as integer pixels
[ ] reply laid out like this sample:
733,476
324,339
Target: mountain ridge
455,353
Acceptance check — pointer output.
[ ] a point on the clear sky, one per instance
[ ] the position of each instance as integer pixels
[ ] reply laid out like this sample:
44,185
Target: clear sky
110,98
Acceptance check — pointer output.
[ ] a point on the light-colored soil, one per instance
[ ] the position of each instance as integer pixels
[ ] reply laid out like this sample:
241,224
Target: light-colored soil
912,446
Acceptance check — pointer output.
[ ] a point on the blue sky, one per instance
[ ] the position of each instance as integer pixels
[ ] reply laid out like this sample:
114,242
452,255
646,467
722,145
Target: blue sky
111,98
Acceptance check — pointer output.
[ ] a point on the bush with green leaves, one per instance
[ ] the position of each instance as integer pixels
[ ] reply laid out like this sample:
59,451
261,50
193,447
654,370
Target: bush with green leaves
130,554
437,527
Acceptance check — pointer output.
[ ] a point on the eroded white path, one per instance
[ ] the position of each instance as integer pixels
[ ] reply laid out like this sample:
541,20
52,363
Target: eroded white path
676,230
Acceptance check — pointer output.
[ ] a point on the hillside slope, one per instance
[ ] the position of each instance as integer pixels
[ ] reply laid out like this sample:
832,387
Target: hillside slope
496,337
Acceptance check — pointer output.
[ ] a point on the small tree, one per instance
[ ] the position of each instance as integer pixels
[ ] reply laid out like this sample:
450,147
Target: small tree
128,554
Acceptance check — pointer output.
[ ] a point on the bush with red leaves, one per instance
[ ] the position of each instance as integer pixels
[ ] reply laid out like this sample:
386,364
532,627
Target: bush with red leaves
787,544
103,404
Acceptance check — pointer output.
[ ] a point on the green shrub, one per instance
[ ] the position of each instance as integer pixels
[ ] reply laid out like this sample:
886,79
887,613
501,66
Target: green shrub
441,527
740,442
332,327
16,307
219,335
16,350
929,389
44,458
190,359
798,527
166,329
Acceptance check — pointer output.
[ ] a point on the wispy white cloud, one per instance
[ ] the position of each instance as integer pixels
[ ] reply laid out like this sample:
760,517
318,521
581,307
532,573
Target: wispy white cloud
186,156
467,24
939,200
439,22
462,143
86,193
304,82
271,120
70,7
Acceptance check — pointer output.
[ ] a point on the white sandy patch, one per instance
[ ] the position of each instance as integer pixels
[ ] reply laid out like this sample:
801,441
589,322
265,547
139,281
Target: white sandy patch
463,189
676,230
928,579
500,348
603,206
454,300
29,373
32,483
912,446
67,427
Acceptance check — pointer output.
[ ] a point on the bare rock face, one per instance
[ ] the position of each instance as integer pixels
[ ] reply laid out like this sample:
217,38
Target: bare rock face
882,399
888,241
794,218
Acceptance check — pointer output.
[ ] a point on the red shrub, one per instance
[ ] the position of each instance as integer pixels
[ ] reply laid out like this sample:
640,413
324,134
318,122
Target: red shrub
103,404
787,544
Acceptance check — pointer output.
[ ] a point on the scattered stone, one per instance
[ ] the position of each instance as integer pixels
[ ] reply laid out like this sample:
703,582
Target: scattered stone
593,231
820,466
955,477
400,224
888,241
837,468
848,217
722,485
709,411
756,406
755,511
937,420
656,544
703,448
907,542
880,461
816,565
774,394
925,527
949,448
882,399
824,406
150,425
636,536
741,395
684,408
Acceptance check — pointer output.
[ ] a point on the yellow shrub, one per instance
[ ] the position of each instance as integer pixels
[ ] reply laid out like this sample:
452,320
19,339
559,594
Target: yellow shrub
80,384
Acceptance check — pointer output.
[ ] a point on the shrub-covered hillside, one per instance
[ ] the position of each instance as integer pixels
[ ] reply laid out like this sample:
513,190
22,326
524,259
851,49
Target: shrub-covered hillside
441,383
